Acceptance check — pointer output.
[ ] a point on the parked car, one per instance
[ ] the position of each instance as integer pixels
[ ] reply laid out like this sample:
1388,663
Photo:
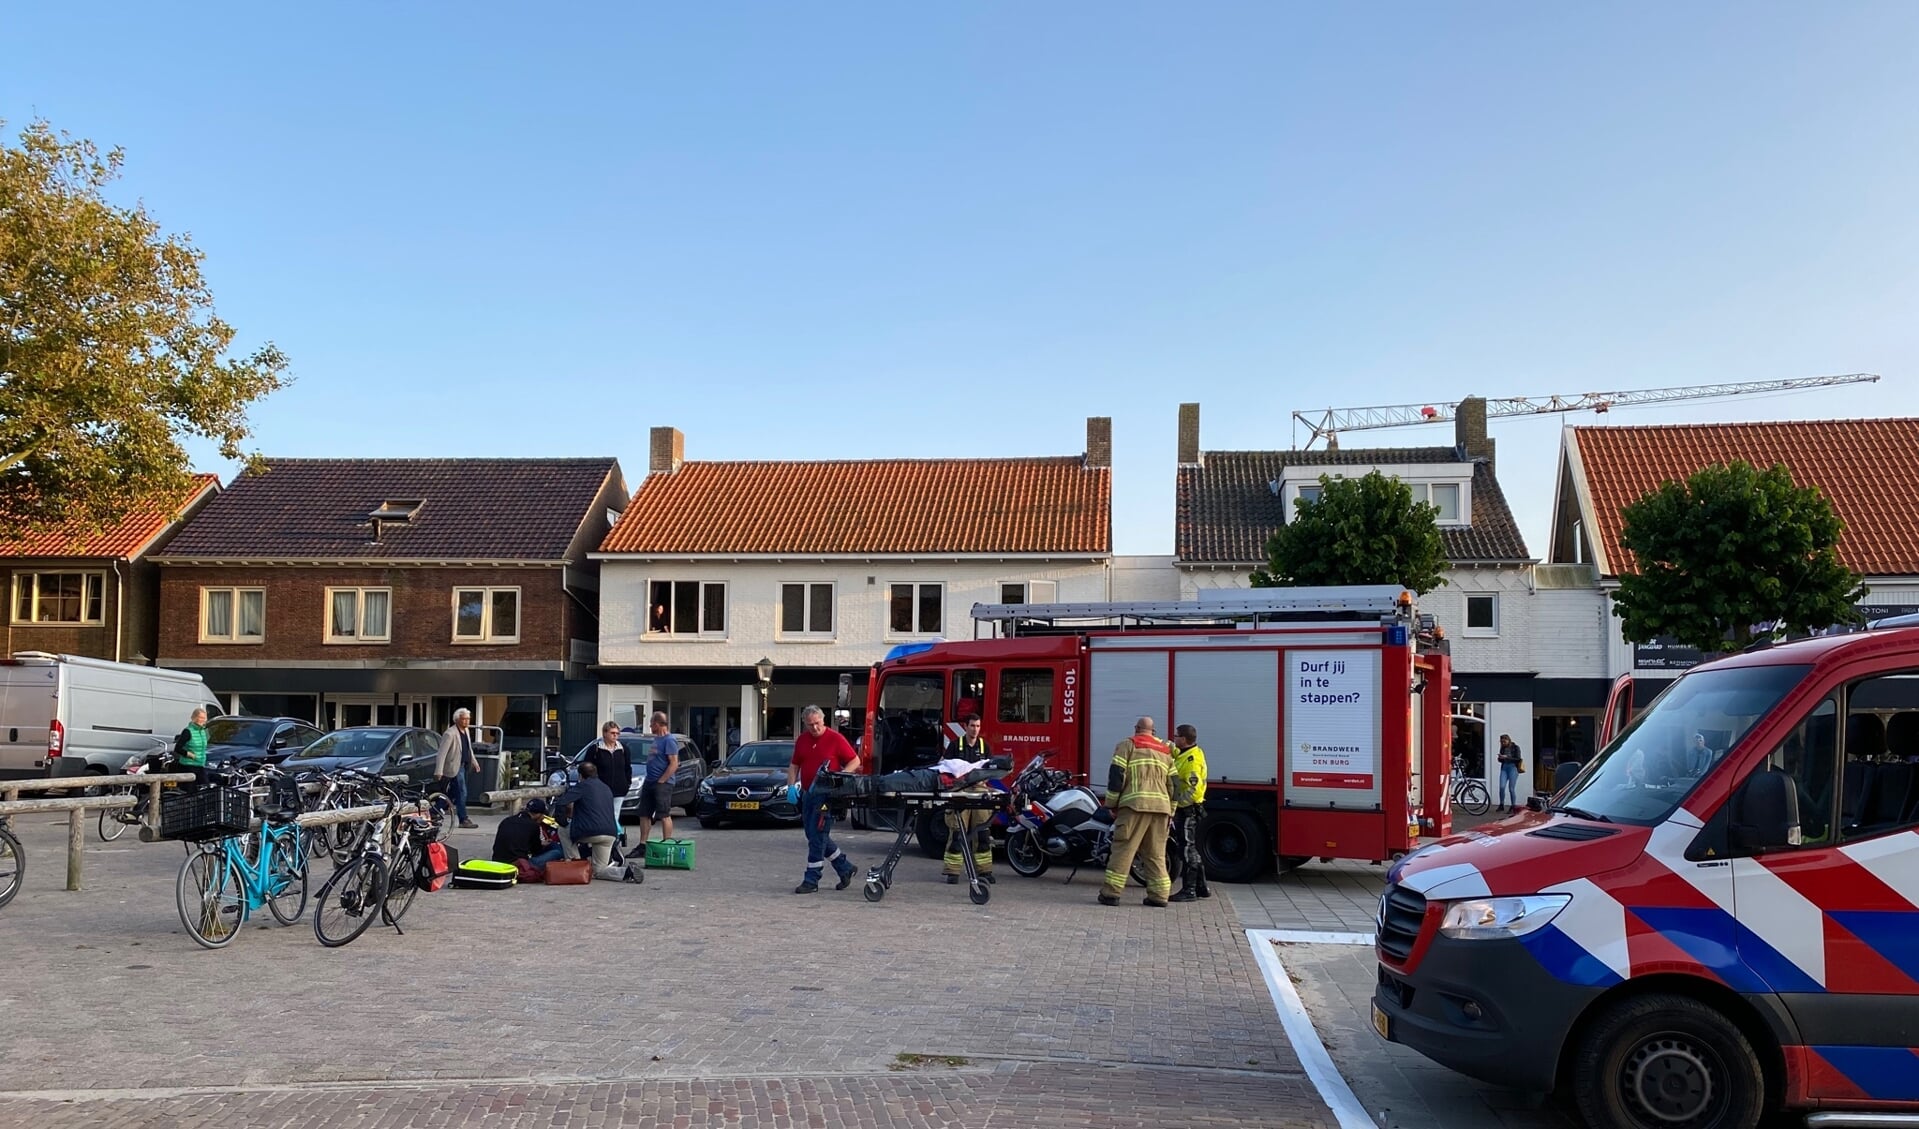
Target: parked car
750,786
271,739
639,748
384,750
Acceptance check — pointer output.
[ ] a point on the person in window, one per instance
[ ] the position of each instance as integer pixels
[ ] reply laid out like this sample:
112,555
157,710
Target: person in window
659,621
1699,757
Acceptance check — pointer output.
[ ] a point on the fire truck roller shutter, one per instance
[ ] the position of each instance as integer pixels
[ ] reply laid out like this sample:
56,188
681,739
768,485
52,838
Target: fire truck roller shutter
1232,698
1126,685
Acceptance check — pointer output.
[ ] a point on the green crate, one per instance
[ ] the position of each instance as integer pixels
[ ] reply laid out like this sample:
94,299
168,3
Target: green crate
670,854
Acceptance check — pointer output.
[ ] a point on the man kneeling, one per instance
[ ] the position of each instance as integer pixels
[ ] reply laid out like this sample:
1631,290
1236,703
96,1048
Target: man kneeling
591,823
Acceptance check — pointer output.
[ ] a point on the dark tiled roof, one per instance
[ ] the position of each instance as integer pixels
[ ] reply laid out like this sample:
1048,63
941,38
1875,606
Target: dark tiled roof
1035,505
123,540
1867,468
1226,510
472,509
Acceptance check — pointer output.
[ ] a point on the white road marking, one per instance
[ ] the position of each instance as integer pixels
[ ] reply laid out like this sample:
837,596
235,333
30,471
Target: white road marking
1325,1076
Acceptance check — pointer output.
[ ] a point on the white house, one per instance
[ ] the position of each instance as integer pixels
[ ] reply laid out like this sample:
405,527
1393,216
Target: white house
1867,468
1493,605
718,572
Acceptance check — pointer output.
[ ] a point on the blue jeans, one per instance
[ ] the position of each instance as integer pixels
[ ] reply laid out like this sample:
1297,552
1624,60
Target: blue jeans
456,791
1509,785
553,853
817,819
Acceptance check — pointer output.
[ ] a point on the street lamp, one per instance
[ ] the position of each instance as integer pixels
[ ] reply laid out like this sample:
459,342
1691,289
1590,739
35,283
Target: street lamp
764,669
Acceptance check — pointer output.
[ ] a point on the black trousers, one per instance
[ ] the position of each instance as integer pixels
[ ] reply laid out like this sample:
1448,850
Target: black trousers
1183,860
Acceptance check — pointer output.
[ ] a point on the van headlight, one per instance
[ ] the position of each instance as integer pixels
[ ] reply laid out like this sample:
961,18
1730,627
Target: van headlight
1485,919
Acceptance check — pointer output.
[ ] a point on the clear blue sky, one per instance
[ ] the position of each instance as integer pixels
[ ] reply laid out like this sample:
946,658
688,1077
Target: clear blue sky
855,230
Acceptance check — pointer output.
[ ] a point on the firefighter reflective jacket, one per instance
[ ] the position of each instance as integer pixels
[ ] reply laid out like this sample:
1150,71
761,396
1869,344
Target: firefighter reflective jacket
1142,775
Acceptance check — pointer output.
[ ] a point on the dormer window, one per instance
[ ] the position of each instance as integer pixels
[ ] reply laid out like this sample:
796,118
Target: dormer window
1443,485
401,510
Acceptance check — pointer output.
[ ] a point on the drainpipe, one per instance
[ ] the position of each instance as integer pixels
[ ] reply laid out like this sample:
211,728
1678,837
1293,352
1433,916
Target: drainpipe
119,610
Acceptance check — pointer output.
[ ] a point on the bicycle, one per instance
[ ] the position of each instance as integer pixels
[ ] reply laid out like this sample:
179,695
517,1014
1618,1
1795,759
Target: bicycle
386,872
13,862
220,886
1469,792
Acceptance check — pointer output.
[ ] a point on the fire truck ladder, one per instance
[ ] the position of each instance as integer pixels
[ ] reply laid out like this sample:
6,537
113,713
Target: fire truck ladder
1379,602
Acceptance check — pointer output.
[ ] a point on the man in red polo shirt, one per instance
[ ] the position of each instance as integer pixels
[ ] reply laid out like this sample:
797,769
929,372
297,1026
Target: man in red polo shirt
815,748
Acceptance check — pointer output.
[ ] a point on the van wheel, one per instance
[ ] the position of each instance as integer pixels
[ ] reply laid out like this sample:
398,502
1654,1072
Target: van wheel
1235,846
1655,1062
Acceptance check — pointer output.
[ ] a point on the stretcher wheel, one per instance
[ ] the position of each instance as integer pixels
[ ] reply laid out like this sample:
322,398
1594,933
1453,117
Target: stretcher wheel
874,890
980,893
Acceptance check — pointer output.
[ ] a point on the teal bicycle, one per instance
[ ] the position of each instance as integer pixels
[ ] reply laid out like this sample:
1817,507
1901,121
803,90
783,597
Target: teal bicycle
220,887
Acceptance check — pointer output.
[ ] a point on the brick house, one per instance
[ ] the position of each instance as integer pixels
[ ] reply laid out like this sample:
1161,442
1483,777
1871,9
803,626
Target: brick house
1504,615
821,567
1867,468
394,591
95,593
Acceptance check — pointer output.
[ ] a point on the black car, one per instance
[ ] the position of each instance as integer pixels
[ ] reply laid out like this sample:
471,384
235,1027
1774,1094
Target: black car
384,750
751,785
639,749
270,739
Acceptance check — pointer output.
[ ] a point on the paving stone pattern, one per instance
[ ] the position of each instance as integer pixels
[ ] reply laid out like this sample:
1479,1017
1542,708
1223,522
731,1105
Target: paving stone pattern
714,993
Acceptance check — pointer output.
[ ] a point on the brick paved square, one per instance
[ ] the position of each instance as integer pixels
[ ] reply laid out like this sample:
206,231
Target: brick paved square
532,1005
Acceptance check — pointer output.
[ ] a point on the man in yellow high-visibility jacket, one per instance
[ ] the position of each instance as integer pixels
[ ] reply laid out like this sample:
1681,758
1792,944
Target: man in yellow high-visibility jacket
1189,792
1139,789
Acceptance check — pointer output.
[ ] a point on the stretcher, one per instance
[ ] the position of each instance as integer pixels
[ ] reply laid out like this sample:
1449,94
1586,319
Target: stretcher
912,794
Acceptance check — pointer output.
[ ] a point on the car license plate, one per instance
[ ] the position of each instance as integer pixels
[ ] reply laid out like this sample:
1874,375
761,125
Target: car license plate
1382,1023
743,805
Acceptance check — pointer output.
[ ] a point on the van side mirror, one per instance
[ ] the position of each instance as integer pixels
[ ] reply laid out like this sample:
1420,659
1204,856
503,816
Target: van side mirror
1765,813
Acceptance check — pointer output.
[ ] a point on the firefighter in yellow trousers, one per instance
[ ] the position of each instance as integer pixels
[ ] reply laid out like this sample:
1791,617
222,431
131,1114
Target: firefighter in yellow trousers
969,830
1139,788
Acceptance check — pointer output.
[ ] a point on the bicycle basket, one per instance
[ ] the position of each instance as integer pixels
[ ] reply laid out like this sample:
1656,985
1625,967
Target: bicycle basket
211,813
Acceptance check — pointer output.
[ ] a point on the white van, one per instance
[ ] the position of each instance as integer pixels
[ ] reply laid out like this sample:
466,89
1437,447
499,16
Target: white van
62,715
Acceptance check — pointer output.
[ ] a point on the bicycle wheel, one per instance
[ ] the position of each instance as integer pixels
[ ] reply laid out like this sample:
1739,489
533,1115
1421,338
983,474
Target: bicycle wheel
211,898
1472,797
402,883
13,865
349,902
110,826
287,879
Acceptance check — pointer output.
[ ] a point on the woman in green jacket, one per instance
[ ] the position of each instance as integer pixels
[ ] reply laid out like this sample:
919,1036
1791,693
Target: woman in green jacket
190,748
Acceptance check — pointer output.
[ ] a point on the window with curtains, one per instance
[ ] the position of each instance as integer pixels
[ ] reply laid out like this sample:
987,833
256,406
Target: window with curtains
359,615
233,615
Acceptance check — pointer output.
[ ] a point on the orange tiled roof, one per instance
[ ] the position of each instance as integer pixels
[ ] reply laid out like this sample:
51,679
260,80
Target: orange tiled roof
1867,468
122,541
1046,505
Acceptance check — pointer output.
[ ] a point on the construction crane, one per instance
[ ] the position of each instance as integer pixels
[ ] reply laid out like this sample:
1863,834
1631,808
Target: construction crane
1330,423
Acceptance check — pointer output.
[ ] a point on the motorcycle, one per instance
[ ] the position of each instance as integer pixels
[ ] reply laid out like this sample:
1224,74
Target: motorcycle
1052,819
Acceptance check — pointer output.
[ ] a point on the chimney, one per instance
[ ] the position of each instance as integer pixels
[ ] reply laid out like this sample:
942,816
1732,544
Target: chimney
1189,435
1099,441
668,451
1469,430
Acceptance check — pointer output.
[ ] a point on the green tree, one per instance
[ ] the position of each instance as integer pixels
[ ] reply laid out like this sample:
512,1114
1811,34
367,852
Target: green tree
1727,550
110,352
1358,531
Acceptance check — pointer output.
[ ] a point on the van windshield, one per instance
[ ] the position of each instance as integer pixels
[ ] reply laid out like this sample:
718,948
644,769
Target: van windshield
1652,767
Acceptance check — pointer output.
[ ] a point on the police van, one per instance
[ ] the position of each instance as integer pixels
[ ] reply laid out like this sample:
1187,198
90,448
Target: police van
1717,918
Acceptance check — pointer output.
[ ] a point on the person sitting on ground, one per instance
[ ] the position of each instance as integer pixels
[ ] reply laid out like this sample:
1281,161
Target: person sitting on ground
528,835
588,811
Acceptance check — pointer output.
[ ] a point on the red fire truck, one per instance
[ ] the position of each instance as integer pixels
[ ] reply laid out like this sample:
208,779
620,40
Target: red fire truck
1324,712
